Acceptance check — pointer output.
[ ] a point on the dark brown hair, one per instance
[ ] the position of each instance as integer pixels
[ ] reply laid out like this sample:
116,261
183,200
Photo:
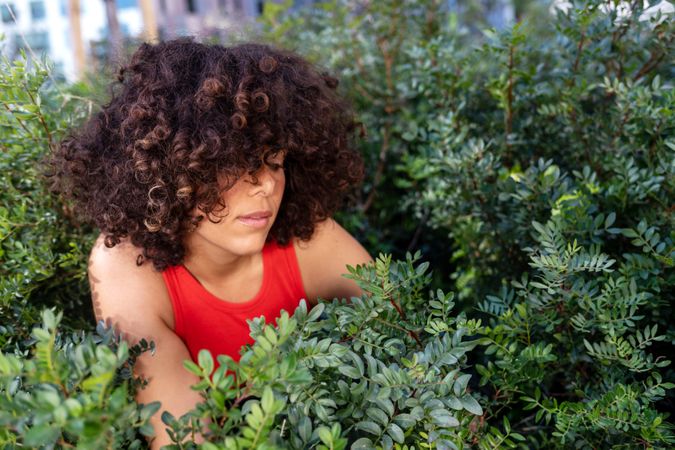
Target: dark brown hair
188,115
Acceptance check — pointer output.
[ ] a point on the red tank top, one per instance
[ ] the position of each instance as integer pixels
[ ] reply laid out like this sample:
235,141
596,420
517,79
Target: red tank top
203,320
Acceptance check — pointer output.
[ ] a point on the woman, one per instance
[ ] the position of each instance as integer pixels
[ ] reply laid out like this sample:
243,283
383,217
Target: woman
212,174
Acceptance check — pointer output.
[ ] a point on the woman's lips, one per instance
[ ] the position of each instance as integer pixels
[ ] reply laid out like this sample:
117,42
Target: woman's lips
258,219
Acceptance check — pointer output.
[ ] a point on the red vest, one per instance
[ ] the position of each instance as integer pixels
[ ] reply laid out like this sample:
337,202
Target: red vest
203,320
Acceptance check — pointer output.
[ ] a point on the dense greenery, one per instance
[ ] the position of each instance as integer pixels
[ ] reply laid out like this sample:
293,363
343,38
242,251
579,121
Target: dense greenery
537,167
385,368
533,166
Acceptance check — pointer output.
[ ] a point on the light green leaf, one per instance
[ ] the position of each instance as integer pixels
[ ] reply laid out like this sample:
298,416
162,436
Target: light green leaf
471,405
267,400
396,433
370,427
205,361
349,371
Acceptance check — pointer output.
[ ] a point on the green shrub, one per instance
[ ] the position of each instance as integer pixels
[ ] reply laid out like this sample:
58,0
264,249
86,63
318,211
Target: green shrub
543,156
42,247
76,388
533,167
385,369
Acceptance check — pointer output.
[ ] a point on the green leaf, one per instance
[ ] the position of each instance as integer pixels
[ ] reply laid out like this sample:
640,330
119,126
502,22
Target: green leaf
147,430
358,362
205,361
405,420
385,403
443,418
471,405
316,312
149,410
305,429
325,435
629,233
168,418
454,402
370,427
264,343
192,367
267,401
98,383
378,415
518,437
396,433
461,383
49,319
40,435
363,444
507,425
271,335
349,371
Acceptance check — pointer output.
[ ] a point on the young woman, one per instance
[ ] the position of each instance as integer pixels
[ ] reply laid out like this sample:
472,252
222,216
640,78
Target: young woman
212,173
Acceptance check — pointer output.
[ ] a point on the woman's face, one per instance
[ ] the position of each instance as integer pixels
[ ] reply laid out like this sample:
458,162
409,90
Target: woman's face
251,209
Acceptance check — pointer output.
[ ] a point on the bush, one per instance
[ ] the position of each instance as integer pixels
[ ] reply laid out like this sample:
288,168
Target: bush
543,156
76,388
42,247
533,166
386,368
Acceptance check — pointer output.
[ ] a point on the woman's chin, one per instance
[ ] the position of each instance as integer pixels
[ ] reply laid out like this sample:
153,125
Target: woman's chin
249,245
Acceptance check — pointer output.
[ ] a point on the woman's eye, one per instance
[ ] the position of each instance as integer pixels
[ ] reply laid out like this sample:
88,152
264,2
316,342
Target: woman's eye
276,162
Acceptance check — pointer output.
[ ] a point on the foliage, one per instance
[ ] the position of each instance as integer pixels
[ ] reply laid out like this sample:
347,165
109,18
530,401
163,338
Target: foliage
76,388
385,368
382,369
544,153
533,166
41,247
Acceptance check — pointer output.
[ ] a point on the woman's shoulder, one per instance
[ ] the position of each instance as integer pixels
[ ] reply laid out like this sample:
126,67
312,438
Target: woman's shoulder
331,236
121,287
120,260
323,260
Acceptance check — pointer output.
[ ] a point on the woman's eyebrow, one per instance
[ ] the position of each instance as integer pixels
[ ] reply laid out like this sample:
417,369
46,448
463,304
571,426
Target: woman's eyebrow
274,151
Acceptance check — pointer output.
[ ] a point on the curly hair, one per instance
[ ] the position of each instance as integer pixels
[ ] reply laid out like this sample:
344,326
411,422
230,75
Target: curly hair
189,115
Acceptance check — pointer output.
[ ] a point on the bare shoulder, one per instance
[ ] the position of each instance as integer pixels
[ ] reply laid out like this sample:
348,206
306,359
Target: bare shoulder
124,292
323,260
330,236
135,299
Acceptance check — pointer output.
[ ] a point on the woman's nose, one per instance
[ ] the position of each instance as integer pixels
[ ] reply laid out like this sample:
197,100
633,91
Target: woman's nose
263,181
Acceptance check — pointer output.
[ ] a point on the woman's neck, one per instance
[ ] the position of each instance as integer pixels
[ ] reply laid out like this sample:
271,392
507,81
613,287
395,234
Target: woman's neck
224,273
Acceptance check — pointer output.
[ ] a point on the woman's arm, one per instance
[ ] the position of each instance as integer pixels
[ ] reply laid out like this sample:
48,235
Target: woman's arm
323,260
134,298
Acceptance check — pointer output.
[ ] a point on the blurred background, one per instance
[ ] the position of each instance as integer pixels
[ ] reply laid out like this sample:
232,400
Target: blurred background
79,35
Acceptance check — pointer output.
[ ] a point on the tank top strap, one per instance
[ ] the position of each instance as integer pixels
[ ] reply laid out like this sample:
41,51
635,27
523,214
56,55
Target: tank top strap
175,284
286,269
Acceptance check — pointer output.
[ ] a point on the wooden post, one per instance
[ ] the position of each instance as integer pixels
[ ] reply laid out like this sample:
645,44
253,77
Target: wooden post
150,30
76,35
